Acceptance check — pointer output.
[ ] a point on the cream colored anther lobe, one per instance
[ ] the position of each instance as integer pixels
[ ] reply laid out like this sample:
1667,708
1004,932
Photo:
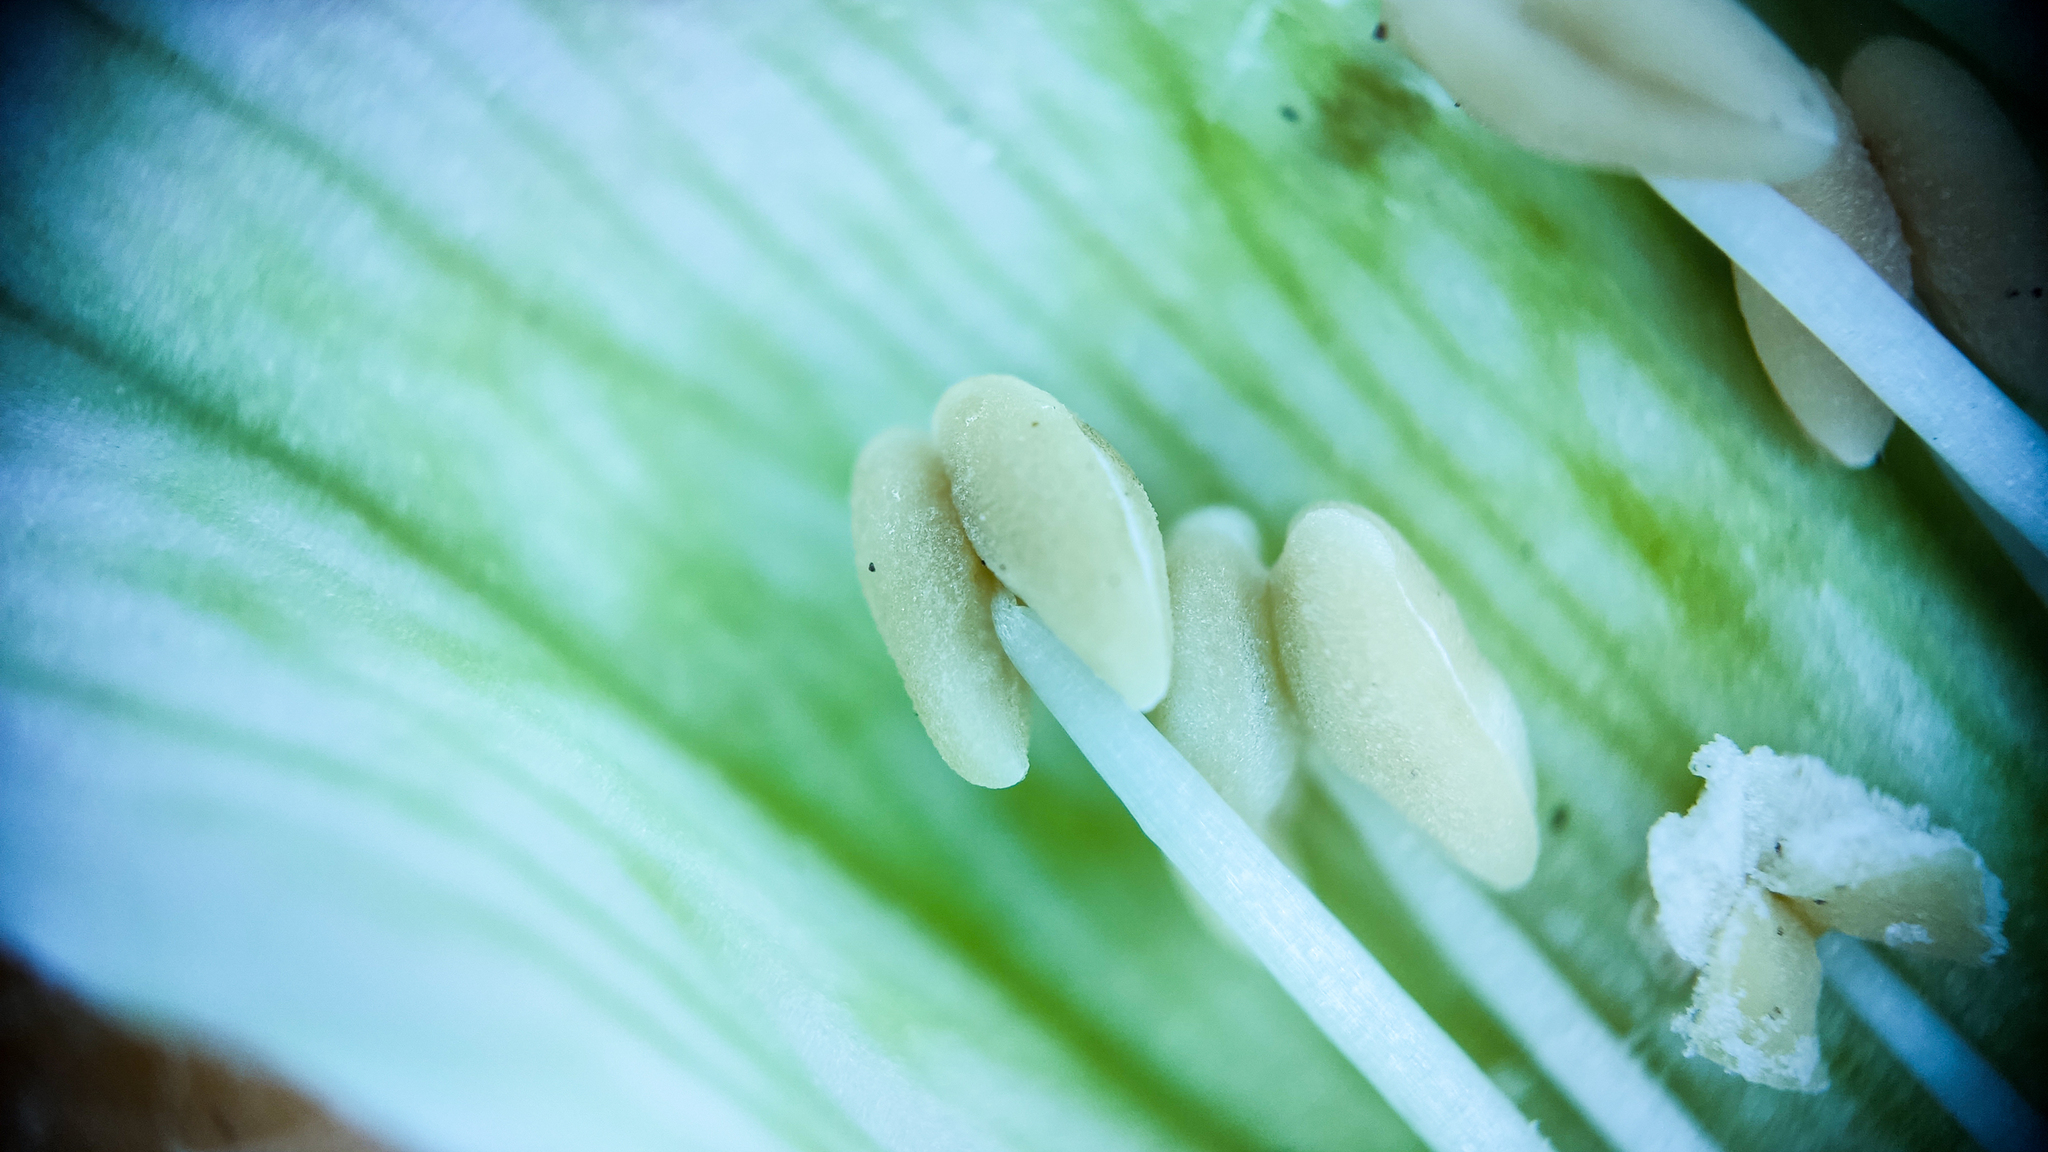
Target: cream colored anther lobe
929,594
1847,197
1392,688
1755,1004
1063,522
1695,88
1973,204
1226,712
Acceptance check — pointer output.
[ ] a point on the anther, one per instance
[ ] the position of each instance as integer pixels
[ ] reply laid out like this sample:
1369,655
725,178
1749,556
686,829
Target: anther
930,599
1064,524
1695,88
1226,711
1973,204
1830,402
1393,689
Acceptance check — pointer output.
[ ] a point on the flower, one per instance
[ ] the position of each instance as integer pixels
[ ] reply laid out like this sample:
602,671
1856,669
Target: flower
432,663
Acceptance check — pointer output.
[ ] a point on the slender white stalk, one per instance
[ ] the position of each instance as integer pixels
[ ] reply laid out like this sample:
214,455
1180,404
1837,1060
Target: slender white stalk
1427,1078
1935,389
2031,561
1966,1085
1565,1036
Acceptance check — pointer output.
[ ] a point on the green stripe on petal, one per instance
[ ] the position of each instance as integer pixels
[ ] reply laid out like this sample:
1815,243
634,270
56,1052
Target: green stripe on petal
430,660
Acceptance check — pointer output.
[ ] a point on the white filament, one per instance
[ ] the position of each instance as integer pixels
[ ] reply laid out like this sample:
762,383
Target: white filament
1968,1087
1559,1030
1427,1079
1935,389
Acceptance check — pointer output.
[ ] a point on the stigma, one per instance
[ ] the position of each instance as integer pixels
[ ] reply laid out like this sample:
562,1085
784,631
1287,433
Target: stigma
1778,851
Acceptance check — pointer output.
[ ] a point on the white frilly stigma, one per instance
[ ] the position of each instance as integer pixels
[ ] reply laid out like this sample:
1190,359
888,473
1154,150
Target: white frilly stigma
1785,841
1756,1003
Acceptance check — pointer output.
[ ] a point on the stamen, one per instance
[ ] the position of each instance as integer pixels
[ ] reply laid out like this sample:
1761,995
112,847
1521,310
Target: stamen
1694,88
1062,522
1392,688
929,595
1423,1075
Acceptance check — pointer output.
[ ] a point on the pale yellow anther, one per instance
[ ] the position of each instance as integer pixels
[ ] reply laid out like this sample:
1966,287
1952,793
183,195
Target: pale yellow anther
1848,198
1392,688
1226,711
930,594
1064,524
1754,1005
1973,204
1694,88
